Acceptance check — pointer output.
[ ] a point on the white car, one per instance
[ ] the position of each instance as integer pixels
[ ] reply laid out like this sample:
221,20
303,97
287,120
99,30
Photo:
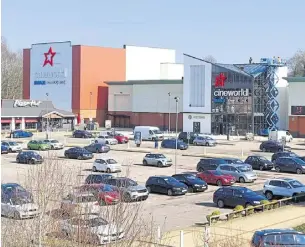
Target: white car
12,146
105,139
80,203
91,229
54,144
19,207
108,165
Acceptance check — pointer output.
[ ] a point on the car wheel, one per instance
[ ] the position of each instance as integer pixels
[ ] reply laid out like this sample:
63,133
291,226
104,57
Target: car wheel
207,144
127,197
169,192
94,169
144,163
83,137
220,203
248,205
18,160
97,150
73,136
219,182
264,150
200,169
241,180
299,171
32,162
280,150
107,142
190,189
159,164
66,156
277,169
79,157
148,189
269,195
10,150
108,170
16,216
261,167
52,147
195,143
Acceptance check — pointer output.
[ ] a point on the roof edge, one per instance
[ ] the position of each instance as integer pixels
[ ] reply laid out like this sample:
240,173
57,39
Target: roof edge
144,82
295,79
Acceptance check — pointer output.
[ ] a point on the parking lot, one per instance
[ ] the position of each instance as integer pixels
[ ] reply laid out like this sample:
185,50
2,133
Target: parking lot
168,212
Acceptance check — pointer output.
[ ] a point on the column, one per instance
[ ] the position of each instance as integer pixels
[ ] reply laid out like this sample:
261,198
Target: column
13,124
22,123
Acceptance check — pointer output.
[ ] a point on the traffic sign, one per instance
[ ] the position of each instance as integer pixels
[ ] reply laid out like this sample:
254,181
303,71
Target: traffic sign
188,135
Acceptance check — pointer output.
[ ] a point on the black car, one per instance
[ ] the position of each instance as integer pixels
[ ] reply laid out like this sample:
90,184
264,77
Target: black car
78,153
97,148
290,164
183,137
273,146
235,195
259,162
166,185
233,161
278,237
206,164
277,155
97,178
171,143
82,134
29,157
193,183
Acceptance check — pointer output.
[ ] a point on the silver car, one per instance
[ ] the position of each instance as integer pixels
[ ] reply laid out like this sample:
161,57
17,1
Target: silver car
204,141
242,173
157,160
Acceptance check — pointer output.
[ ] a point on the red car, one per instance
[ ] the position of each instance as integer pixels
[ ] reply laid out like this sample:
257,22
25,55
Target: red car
106,194
121,138
216,177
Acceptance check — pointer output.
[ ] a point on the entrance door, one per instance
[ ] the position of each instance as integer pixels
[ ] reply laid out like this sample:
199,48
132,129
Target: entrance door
196,127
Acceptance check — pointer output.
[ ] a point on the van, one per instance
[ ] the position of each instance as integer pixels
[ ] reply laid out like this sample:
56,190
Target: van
149,133
277,135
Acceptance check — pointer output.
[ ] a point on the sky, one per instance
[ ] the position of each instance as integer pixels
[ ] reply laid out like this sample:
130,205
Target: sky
229,30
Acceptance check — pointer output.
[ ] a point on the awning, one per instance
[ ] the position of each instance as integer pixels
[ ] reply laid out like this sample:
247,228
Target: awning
6,120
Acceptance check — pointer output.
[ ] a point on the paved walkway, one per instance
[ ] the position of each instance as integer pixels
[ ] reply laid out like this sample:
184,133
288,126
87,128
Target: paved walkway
239,230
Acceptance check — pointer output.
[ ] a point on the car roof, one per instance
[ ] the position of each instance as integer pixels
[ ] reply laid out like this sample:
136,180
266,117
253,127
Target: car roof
283,179
10,185
80,193
276,231
234,187
161,176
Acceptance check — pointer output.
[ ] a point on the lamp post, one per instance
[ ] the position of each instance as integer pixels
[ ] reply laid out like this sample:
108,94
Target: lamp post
169,112
47,131
177,102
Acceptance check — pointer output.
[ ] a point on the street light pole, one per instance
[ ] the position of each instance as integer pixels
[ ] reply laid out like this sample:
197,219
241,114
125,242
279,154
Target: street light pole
47,132
169,112
177,101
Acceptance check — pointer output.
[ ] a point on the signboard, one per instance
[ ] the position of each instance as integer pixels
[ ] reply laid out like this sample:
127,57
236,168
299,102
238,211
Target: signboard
231,93
108,124
51,72
297,110
26,103
137,137
188,135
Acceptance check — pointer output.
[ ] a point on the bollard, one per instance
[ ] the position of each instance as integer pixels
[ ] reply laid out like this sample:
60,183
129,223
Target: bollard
181,239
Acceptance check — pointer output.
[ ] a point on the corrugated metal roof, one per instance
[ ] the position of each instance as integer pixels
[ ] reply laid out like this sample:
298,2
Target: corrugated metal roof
233,68
253,69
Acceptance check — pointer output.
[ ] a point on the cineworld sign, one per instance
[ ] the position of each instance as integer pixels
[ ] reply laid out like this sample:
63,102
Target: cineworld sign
232,93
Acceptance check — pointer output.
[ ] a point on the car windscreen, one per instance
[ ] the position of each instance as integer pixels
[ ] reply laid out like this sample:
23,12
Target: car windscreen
247,191
299,161
244,168
284,239
170,180
217,173
85,199
219,162
111,161
54,141
157,132
40,142
108,188
127,183
160,156
12,143
296,184
21,200
94,222
191,177
263,158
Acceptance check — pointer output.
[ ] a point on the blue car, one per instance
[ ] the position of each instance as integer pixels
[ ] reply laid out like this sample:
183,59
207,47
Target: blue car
29,157
78,153
9,190
235,195
171,143
20,134
4,149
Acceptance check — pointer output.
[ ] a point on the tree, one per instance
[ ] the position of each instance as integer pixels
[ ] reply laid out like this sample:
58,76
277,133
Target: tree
210,59
11,72
296,64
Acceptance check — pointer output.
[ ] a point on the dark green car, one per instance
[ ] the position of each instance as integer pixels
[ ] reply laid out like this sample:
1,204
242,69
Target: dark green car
38,145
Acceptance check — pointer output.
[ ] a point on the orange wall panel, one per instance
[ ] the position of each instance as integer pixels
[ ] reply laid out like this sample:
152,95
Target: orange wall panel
76,59
26,73
97,65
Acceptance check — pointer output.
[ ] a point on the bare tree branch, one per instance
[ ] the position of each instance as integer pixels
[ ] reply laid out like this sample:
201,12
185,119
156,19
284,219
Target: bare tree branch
296,64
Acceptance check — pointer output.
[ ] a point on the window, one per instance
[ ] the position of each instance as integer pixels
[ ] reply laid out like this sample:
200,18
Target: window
249,159
225,168
151,133
161,181
296,184
111,161
285,185
237,193
275,183
228,192
233,169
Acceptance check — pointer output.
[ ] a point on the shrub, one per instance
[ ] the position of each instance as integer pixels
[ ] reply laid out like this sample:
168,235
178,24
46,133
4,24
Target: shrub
238,208
266,204
214,213
250,210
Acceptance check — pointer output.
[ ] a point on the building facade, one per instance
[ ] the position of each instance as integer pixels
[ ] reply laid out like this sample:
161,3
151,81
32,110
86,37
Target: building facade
296,106
234,99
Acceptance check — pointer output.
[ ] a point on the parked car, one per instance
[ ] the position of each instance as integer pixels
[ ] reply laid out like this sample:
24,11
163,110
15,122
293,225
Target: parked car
149,133
204,141
105,139
273,146
235,195
159,160
278,237
97,148
78,153
171,143
242,173
97,178
12,146
54,144
108,165
19,206
234,161
20,134
289,164
4,149
166,185
259,162
283,154
283,187
120,138
29,157
38,145
130,190
82,134
91,229
183,137
105,193
216,177
209,164
193,183
78,202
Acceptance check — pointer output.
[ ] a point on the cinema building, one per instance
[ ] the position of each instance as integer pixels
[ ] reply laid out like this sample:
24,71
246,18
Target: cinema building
234,98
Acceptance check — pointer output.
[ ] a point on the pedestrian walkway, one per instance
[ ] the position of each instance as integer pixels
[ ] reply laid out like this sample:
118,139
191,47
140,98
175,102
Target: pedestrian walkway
240,230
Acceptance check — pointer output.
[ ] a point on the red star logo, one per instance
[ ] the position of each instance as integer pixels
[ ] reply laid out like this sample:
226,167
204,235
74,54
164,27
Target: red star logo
49,57
220,80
